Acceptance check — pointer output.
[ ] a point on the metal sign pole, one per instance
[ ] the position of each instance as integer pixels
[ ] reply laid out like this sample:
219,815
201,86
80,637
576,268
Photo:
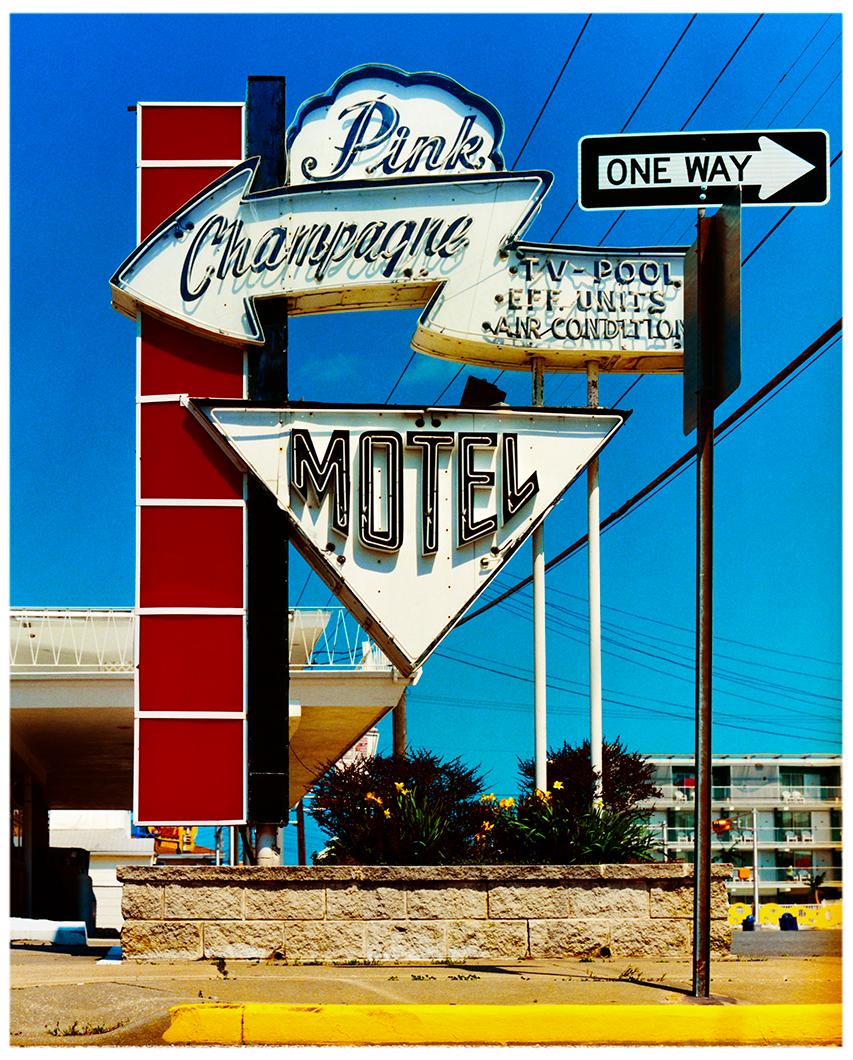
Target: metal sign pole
540,734
596,739
704,632
268,675
755,864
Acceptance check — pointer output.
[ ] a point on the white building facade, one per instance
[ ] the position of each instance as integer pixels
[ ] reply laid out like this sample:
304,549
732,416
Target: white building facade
798,809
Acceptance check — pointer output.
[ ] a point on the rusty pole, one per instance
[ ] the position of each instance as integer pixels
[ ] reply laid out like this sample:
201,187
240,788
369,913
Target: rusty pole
704,615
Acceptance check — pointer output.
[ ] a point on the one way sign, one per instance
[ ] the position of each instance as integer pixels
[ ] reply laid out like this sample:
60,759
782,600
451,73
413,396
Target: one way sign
779,167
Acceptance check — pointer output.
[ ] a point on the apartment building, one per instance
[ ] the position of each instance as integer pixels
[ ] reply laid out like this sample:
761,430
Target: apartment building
795,801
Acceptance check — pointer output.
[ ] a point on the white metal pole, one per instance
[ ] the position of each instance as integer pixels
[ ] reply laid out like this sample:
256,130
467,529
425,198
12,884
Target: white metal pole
755,864
540,736
594,560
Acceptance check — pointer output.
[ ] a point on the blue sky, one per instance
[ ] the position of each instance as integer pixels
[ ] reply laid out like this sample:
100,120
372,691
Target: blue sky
778,486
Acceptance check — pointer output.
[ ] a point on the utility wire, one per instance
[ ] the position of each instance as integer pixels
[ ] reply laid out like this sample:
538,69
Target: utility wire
819,60
679,464
790,68
551,93
627,122
687,629
690,116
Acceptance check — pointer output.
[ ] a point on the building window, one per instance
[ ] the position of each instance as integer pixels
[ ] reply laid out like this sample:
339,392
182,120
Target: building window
793,826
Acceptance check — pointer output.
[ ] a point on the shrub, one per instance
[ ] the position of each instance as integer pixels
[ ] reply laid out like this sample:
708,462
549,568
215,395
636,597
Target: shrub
543,828
418,810
627,776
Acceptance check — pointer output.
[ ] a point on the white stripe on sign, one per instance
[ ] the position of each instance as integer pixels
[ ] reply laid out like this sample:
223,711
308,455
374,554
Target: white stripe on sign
771,166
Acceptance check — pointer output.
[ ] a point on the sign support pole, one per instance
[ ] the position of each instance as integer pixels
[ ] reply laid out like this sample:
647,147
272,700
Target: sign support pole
596,748
268,673
755,898
704,616
398,721
540,732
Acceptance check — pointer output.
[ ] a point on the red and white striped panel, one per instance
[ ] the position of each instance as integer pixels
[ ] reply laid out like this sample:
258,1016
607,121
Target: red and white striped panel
190,688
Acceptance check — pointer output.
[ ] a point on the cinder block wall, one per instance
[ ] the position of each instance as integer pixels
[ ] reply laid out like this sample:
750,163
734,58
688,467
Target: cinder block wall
382,913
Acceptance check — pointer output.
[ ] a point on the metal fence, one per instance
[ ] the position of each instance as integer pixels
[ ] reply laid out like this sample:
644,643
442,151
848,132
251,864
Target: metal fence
754,794
68,640
331,639
101,640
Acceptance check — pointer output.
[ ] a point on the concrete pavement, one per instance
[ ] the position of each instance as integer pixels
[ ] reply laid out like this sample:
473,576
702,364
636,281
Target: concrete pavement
68,998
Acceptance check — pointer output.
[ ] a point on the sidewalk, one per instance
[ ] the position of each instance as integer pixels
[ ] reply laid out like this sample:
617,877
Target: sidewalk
68,998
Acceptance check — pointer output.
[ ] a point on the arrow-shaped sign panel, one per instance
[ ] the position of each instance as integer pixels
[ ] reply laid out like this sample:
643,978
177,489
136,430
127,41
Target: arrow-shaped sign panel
339,245
449,243
409,513
778,167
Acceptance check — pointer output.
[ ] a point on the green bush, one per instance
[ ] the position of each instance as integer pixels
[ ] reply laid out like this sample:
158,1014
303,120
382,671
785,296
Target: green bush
627,777
421,810
418,810
544,829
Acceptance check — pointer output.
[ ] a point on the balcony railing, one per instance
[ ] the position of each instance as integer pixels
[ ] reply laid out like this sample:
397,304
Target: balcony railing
86,641
740,839
770,793
781,875
330,639
71,641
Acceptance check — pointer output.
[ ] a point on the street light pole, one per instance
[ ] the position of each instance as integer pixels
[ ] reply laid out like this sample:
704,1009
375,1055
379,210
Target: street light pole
755,864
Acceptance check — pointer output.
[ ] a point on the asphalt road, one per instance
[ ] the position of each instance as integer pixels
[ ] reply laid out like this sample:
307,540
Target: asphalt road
65,997
775,943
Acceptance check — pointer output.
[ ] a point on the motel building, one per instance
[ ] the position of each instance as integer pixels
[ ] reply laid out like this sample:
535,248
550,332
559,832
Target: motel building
795,801
72,743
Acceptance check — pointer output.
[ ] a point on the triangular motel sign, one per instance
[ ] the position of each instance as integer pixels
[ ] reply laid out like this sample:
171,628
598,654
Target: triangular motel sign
407,514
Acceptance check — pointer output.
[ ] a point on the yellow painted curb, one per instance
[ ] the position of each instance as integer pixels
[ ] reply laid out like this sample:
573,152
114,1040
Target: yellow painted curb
677,1023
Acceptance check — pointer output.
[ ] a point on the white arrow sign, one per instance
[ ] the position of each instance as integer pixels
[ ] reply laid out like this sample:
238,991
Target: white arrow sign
323,245
408,514
771,167
446,243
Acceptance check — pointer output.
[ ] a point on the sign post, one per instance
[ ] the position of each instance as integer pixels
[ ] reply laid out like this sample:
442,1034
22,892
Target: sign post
540,670
596,720
268,678
712,372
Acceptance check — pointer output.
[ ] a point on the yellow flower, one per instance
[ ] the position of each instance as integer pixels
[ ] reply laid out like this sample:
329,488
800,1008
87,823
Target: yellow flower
544,796
505,804
387,813
399,785
371,796
488,798
558,784
487,826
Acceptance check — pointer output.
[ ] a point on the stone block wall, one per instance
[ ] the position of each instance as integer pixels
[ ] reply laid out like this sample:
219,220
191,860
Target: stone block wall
341,914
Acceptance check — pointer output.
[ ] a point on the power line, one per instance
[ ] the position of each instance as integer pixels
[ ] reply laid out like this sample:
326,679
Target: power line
651,84
503,672
690,116
819,98
679,464
551,93
819,60
790,68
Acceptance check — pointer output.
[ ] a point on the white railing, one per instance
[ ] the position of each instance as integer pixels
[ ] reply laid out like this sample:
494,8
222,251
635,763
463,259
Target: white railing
758,794
101,640
76,641
738,838
331,639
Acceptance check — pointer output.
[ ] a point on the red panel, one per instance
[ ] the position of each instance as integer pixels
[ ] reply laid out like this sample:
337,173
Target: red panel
209,674
180,459
190,771
191,557
185,133
178,362
165,190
